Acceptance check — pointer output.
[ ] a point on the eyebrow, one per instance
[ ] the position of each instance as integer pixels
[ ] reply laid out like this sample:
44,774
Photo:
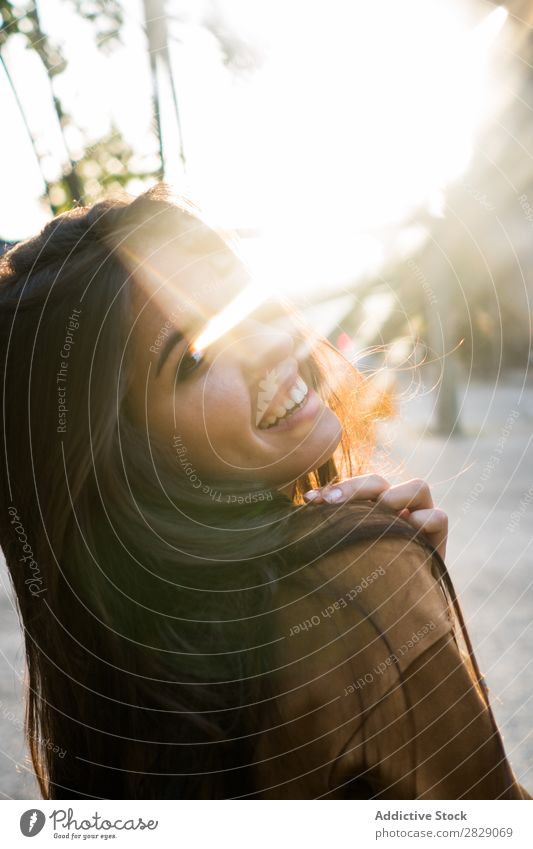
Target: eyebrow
174,339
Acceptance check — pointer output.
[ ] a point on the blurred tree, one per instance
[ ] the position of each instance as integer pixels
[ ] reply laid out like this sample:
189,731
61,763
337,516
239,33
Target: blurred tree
156,24
105,163
238,53
107,17
110,163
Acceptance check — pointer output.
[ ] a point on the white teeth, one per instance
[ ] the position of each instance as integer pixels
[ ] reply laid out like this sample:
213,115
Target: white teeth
267,422
295,395
288,402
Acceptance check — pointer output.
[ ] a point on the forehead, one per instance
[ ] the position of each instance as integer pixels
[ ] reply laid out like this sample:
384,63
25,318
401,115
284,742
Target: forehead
183,281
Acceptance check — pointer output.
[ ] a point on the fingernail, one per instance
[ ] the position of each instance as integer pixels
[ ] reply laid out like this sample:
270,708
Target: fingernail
312,494
333,495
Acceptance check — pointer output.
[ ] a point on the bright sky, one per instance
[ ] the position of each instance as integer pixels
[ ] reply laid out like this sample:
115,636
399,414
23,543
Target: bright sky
362,113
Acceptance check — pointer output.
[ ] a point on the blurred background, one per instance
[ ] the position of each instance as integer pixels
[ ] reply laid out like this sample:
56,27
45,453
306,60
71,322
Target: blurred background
376,160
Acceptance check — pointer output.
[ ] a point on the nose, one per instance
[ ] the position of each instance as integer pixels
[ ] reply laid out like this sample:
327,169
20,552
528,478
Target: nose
259,347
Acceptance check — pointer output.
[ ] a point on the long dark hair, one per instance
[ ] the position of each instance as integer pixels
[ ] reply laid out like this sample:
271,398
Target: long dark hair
145,603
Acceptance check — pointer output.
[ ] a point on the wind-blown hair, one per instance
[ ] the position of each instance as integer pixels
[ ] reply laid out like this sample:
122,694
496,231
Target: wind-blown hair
145,603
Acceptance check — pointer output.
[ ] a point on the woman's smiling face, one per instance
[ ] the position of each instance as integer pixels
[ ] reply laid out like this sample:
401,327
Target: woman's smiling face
244,407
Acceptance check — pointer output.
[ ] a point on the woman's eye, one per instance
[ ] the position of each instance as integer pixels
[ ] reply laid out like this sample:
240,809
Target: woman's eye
188,362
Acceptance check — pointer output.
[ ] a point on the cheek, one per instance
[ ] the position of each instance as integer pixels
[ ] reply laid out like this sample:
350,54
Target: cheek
213,418
221,396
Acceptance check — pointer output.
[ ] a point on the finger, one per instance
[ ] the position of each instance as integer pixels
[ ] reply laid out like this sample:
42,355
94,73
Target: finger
360,488
434,524
413,495
314,496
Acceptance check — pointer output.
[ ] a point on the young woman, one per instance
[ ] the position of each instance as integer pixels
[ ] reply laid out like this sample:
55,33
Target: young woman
196,626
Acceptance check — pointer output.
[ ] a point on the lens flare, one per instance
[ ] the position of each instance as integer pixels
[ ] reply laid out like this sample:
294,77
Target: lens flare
240,307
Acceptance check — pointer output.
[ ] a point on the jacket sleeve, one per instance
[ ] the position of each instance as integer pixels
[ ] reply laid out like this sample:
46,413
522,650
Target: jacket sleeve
374,695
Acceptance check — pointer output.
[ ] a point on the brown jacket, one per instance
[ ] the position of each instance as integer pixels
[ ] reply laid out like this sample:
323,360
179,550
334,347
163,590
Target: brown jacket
375,692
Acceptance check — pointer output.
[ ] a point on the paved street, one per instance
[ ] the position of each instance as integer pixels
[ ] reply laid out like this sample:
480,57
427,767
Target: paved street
484,479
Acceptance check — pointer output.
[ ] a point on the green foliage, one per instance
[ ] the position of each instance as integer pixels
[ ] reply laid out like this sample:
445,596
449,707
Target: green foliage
109,163
107,17
24,20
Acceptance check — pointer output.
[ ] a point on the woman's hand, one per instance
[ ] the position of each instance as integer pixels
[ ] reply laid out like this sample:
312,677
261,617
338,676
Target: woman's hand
411,500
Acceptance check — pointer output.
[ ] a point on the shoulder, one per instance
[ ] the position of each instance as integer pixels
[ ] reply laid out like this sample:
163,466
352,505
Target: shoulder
396,584
382,592
389,554
347,630
386,566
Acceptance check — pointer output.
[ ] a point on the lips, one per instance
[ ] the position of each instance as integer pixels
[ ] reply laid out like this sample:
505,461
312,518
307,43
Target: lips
286,399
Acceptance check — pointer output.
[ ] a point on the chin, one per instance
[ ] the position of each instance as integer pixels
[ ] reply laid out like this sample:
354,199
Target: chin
325,441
